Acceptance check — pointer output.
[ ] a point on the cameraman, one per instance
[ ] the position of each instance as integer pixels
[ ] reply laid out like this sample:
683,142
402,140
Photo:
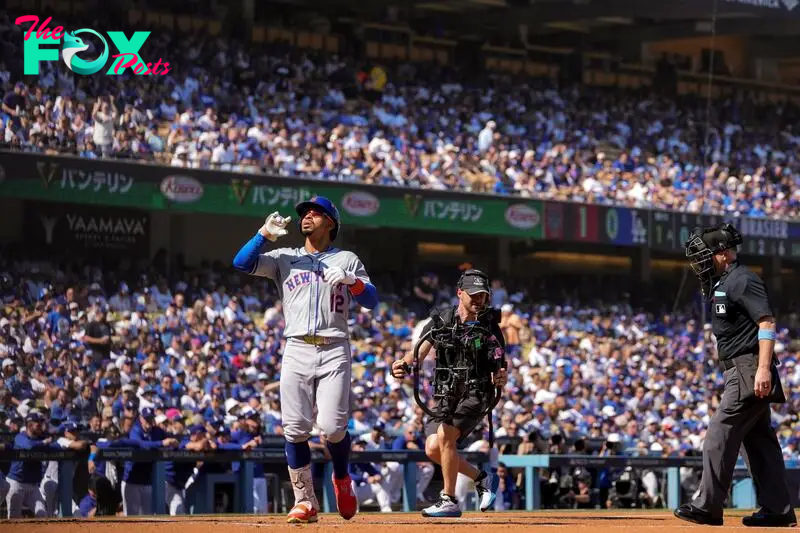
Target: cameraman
611,447
458,416
625,493
576,490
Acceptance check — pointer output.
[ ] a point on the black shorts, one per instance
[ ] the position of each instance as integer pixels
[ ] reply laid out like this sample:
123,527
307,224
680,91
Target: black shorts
464,414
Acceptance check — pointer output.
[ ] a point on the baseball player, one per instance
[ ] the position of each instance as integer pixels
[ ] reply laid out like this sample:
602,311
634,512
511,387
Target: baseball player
49,485
317,283
251,429
368,483
24,477
4,486
137,483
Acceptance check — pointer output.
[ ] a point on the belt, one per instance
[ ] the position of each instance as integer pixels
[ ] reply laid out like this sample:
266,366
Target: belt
316,340
727,364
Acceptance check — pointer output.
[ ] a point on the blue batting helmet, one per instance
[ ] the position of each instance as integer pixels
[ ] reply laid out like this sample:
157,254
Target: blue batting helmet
324,205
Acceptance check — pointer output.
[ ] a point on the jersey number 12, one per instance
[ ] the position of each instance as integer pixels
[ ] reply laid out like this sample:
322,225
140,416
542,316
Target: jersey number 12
337,303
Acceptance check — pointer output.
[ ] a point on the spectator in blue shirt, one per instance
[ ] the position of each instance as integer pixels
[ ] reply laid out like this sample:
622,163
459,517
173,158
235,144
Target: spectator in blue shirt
88,505
507,495
59,323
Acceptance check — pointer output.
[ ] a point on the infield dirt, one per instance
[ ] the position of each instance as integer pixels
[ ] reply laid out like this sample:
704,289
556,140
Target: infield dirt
549,521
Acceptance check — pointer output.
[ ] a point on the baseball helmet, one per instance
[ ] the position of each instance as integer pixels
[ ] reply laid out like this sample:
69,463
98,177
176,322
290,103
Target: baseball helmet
324,205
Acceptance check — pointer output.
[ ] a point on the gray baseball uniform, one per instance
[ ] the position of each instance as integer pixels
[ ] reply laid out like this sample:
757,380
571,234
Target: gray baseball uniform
317,359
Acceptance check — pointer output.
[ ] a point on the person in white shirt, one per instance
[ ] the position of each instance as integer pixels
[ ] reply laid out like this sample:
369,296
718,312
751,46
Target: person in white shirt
104,114
486,136
211,309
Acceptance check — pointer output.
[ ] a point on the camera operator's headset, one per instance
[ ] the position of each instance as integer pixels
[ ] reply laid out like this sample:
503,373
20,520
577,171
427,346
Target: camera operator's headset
497,392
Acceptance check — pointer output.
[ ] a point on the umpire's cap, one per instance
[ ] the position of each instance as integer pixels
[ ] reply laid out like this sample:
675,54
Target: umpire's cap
324,205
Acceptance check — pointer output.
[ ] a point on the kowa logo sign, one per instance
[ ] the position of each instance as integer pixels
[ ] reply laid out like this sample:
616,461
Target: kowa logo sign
74,43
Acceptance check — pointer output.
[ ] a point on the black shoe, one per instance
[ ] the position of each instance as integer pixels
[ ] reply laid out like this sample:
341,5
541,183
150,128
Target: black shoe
691,513
764,519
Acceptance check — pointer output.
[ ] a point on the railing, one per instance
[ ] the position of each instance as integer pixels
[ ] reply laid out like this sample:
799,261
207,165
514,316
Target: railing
743,494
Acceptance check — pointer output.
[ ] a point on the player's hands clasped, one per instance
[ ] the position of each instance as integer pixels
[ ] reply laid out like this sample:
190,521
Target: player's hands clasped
336,275
275,226
500,378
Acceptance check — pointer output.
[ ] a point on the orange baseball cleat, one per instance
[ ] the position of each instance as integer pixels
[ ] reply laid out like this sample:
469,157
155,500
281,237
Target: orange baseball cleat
302,513
345,499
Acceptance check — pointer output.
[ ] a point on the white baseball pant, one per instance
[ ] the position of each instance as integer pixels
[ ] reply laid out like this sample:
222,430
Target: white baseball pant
374,491
260,495
175,499
4,487
137,499
49,488
310,372
393,475
24,494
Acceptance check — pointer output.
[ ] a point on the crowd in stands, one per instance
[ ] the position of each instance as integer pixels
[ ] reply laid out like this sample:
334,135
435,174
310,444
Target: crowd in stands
276,110
95,346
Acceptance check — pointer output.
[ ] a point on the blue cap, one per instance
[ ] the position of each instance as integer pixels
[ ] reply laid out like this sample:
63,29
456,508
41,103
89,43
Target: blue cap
197,428
70,427
379,426
34,416
148,413
222,430
131,405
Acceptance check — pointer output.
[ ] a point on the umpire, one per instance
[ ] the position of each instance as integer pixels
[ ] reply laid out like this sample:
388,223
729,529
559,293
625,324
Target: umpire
744,326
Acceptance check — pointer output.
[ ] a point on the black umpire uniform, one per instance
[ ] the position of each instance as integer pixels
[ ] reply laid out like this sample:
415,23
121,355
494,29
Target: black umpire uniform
739,302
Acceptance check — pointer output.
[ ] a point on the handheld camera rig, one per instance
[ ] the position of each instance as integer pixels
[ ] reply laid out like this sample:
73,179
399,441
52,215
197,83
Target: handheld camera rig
462,350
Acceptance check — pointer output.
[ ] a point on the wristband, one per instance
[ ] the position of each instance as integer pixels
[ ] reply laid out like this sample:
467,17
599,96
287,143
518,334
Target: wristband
766,335
357,288
92,456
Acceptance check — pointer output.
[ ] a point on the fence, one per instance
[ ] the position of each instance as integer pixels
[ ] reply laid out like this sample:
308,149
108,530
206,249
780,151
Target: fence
742,496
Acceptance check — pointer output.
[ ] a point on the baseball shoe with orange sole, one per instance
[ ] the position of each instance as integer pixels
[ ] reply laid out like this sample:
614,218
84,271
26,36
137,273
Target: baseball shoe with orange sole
346,501
302,513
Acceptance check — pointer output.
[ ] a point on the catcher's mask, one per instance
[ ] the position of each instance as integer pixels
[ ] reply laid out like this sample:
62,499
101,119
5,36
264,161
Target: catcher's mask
701,246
